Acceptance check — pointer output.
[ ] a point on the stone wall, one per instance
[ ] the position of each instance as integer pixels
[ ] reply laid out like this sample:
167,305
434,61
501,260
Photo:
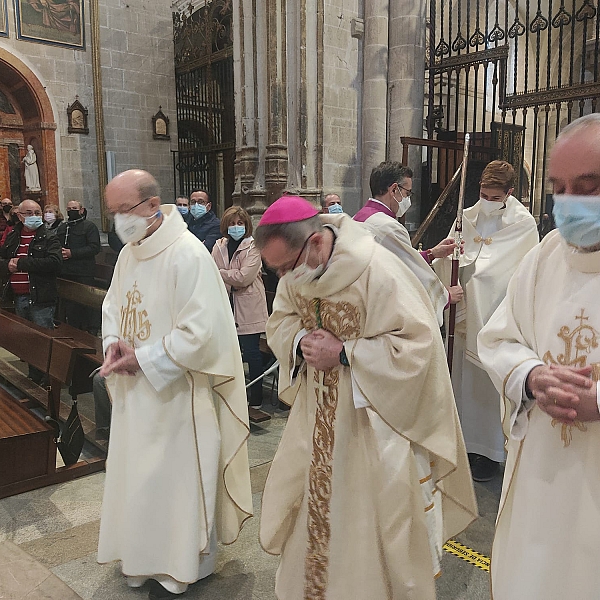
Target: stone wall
138,76
342,79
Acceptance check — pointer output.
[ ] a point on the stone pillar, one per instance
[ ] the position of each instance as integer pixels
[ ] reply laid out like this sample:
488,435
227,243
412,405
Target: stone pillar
276,159
246,124
375,88
406,80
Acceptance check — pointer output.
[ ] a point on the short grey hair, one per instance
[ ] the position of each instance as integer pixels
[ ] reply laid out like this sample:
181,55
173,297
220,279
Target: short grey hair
577,125
148,187
293,234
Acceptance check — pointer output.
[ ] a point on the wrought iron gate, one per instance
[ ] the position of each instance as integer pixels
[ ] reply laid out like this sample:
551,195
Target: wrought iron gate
513,74
205,101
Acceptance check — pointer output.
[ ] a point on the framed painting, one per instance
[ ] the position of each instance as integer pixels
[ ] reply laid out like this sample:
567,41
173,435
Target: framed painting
3,19
55,22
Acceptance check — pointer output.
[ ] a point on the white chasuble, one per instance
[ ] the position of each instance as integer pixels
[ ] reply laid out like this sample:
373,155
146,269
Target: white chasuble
358,501
177,466
494,246
393,236
548,525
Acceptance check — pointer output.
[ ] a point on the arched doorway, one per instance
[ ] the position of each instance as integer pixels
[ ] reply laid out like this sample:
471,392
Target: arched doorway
26,118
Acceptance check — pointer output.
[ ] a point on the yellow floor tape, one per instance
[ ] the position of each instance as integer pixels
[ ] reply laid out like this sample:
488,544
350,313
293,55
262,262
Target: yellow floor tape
479,560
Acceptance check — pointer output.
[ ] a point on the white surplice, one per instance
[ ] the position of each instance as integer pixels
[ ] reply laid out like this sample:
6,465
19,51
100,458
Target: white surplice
177,466
548,527
495,244
393,236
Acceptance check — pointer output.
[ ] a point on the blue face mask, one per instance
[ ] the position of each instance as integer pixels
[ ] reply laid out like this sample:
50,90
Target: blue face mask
184,210
33,222
578,219
237,232
335,209
198,210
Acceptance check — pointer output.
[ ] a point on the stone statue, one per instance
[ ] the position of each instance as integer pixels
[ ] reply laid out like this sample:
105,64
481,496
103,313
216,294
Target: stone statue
32,175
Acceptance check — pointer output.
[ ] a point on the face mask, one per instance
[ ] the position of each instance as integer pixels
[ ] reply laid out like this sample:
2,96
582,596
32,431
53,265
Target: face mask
304,274
335,209
237,232
487,207
33,222
73,214
184,210
132,228
403,206
578,219
198,210
49,217
6,208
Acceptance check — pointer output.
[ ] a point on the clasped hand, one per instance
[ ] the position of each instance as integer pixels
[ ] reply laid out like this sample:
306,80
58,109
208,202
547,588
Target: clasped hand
564,393
120,359
321,349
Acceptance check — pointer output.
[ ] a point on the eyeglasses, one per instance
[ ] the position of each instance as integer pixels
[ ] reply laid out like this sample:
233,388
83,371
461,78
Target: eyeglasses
31,213
141,202
203,202
409,193
302,250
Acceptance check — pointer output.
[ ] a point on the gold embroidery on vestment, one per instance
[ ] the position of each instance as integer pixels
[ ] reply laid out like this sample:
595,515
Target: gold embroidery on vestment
342,319
487,241
134,322
579,343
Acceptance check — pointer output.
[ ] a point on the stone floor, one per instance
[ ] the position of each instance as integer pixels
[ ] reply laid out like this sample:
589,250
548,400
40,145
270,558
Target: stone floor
48,541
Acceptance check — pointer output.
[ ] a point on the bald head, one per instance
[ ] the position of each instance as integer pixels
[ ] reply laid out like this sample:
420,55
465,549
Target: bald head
29,206
130,188
575,159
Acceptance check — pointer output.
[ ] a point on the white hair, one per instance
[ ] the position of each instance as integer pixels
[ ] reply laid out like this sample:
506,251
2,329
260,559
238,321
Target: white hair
577,125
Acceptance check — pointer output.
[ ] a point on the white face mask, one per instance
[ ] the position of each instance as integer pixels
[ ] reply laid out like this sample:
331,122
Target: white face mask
132,228
49,217
487,207
304,274
403,206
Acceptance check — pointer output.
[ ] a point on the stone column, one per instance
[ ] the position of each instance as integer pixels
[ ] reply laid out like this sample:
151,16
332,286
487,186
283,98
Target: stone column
276,159
406,80
246,125
375,88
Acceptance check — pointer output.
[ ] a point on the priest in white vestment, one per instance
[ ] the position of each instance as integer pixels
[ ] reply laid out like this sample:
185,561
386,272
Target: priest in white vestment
177,473
542,351
371,476
390,181
498,232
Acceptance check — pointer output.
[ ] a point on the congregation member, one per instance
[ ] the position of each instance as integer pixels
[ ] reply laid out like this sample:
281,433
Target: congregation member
177,473
371,474
391,189
183,206
30,261
13,219
541,350
80,240
5,208
202,221
332,205
52,217
498,232
239,263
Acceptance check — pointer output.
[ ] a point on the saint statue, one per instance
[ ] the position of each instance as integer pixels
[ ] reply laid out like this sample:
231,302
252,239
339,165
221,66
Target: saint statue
32,175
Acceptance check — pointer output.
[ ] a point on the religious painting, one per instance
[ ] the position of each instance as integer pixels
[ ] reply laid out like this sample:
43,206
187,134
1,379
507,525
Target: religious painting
55,22
160,125
3,19
77,116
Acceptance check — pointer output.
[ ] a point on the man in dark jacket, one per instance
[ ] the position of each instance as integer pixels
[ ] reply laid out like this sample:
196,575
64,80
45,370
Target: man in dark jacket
80,240
202,221
30,261
6,206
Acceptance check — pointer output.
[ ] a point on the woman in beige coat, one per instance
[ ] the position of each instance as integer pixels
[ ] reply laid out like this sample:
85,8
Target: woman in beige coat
240,266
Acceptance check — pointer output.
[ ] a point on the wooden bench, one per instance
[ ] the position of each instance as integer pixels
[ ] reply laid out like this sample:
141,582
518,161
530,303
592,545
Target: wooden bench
27,444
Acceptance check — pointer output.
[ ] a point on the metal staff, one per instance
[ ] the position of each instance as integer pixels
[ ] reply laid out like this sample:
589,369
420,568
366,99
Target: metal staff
456,256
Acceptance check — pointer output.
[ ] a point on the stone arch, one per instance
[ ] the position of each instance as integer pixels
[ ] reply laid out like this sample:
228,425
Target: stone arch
38,128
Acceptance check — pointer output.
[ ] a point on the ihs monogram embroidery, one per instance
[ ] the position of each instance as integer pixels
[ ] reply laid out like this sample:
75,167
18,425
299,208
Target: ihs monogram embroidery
134,322
579,343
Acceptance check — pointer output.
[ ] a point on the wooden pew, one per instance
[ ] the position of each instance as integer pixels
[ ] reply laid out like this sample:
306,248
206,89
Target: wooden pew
27,445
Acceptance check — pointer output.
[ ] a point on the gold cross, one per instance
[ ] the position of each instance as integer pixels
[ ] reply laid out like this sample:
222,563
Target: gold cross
581,318
320,386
